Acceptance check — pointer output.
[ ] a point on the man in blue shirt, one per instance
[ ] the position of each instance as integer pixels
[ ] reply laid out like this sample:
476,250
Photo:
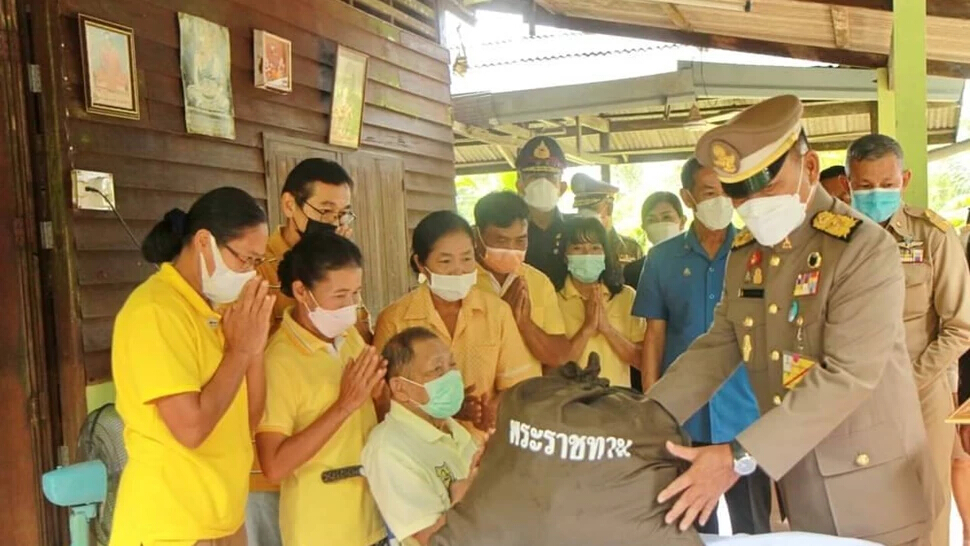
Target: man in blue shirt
681,283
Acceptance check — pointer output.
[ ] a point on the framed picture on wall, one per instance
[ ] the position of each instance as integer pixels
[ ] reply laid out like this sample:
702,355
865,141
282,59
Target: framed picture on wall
273,62
347,112
110,73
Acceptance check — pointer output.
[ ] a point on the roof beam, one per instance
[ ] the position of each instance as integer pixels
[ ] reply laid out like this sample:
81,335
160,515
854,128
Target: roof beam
951,8
676,17
956,9
840,26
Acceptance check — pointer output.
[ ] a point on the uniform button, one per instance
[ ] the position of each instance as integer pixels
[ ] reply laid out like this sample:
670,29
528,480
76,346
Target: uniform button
776,400
775,261
710,297
862,460
748,322
773,309
775,355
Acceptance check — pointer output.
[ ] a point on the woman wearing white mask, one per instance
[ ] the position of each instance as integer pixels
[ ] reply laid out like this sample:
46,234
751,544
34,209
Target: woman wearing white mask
188,368
320,382
662,218
478,326
596,306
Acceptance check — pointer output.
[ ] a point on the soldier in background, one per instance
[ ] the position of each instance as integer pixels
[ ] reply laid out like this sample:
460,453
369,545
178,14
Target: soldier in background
835,181
540,166
594,199
937,309
813,306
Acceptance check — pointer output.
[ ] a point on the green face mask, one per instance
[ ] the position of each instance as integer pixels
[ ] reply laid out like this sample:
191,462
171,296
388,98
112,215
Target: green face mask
445,395
586,268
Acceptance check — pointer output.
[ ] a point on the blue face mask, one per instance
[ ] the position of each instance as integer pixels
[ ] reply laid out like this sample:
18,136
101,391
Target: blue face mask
586,268
878,204
445,395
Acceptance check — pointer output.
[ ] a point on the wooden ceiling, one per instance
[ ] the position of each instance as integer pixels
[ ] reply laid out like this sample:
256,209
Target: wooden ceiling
844,32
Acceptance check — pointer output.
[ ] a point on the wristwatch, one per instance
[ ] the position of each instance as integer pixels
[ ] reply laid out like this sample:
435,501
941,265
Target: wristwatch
744,463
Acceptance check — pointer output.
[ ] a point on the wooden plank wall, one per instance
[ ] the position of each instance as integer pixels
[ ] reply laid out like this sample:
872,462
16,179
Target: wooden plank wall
158,166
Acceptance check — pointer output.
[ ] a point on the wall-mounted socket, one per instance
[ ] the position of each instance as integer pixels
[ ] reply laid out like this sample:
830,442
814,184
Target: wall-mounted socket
92,188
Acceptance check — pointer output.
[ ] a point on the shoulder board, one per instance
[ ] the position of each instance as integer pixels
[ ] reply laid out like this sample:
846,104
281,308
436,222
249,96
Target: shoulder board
938,221
743,238
833,224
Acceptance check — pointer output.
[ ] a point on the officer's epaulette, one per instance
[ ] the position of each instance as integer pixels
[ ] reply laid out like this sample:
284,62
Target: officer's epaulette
743,238
833,224
938,221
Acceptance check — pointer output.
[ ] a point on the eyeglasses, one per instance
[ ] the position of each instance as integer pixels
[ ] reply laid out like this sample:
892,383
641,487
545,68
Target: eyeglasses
249,263
334,217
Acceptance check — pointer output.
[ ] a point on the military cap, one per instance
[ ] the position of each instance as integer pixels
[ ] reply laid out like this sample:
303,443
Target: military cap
590,191
541,154
748,151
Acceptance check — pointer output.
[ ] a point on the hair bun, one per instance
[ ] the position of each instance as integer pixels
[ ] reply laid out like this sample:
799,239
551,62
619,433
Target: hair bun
177,218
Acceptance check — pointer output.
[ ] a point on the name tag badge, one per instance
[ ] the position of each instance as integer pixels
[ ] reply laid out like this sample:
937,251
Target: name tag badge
806,284
795,367
911,255
751,293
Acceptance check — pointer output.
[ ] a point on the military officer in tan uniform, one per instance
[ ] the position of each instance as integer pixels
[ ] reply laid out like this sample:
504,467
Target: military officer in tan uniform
813,308
936,312
594,199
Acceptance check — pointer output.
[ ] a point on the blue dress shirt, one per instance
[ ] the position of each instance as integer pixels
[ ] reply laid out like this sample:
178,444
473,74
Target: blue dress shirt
681,285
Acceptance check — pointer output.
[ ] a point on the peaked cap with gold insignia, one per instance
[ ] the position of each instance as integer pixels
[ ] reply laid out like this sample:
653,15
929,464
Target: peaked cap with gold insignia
748,151
541,154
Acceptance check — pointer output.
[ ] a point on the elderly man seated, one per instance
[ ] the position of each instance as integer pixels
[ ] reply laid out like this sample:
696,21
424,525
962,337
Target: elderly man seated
419,461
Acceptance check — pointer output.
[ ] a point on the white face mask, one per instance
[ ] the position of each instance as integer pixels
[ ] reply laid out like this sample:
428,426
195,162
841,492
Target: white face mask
452,287
716,212
224,285
332,323
542,194
659,232
773,218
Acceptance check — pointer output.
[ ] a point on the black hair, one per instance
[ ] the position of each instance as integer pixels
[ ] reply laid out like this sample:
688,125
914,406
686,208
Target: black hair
313,257
500,209
658,197
590,230
399,350
299,183
431,228
832,172
224,212
688,173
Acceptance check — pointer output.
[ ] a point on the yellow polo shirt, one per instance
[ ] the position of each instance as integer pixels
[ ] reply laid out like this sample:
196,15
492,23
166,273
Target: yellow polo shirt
545,312
410,464
487,346
302,381
619,312
168,340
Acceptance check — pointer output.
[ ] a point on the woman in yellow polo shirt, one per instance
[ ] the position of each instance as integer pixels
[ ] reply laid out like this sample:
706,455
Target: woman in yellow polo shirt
189,380
320,379
478,326
596,306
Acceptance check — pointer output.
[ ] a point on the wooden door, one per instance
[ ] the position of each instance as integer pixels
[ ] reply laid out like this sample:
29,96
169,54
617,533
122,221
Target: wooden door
379,201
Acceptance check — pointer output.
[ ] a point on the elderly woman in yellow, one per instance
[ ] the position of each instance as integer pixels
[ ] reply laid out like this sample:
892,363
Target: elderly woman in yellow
190,380
320,376
596,306
477,326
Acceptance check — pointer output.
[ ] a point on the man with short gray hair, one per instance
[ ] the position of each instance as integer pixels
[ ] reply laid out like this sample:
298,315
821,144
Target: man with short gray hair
936,312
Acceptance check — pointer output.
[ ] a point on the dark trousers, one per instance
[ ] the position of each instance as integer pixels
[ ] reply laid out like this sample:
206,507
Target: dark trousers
749,503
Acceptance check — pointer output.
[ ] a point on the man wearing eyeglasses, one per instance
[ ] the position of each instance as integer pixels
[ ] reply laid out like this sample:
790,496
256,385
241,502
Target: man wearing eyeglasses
316,197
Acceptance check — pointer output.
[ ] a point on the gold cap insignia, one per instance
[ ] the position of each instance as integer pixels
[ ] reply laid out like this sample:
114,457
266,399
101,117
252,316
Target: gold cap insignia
725,157
541,151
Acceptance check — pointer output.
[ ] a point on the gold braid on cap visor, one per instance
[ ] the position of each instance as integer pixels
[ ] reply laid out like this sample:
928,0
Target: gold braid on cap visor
761,179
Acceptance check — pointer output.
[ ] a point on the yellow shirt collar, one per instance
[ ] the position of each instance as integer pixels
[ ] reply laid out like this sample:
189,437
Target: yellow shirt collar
276,247
418,426
168,274
421,305
569,289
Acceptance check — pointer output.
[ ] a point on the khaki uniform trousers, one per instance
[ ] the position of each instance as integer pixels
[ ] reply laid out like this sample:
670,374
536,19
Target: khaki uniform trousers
936,402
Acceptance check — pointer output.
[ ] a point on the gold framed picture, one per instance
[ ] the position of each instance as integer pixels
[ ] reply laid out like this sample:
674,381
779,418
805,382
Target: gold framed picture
349,84
110,72
273,62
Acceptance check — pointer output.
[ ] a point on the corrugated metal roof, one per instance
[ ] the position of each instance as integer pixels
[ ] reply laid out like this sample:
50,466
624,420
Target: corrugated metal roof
549,47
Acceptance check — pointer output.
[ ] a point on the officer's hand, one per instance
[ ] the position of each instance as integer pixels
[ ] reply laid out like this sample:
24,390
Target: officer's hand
245,323
360,378
710,475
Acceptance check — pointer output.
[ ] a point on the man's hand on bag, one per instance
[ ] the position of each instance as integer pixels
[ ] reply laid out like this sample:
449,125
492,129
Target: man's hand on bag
710,475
